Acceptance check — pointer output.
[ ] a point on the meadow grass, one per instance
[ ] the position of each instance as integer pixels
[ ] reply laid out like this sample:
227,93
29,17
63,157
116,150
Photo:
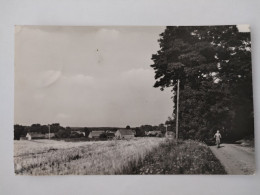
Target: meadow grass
135,156
51,157
184,157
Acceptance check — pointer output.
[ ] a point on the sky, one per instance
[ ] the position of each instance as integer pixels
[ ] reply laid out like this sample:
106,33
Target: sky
88,76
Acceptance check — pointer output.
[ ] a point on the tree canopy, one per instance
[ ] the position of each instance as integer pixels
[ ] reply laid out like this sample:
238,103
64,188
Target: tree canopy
213,64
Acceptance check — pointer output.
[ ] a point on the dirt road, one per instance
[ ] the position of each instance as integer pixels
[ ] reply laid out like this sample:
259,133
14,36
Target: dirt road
237,160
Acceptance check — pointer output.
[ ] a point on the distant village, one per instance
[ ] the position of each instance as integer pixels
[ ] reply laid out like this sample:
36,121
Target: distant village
55,131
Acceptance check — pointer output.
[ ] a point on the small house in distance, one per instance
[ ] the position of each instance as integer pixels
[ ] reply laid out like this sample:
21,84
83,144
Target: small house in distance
34,135
124,134
95,134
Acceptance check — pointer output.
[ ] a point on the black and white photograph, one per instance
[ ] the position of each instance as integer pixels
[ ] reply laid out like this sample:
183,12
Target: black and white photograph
133,100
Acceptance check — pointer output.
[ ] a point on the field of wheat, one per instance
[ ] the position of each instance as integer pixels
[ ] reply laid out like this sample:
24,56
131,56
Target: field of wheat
51,157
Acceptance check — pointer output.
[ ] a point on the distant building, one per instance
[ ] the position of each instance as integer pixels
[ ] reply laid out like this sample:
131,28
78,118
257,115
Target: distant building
125,134
34,135
95,134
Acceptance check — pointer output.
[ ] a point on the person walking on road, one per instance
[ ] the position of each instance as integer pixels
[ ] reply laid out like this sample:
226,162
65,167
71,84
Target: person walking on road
218,137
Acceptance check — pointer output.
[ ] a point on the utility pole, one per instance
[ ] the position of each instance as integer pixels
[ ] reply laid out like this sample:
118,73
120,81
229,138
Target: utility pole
177,109
49,131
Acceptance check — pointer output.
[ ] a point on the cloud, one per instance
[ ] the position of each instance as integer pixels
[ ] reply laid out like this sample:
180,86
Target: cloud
39,96
62,116
78,79
107,34
47,78
139,77
137,72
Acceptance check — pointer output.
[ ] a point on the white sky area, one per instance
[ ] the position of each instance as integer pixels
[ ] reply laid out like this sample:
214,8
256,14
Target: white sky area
88,76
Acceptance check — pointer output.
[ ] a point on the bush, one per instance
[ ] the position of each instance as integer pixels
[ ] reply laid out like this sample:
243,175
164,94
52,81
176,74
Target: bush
76,135
62,133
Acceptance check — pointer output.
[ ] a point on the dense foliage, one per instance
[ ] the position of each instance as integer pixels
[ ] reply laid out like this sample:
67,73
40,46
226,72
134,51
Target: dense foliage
213,64
77,132
19,131
56,128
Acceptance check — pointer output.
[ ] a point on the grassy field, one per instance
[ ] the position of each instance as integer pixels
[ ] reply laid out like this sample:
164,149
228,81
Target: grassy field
135,156
51,157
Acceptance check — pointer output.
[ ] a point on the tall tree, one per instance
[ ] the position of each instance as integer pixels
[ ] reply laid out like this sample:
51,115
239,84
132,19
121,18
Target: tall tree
213,64
19,131
87,131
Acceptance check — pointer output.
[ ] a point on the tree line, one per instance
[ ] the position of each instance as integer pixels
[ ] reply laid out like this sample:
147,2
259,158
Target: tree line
56,128
213,64
72,132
